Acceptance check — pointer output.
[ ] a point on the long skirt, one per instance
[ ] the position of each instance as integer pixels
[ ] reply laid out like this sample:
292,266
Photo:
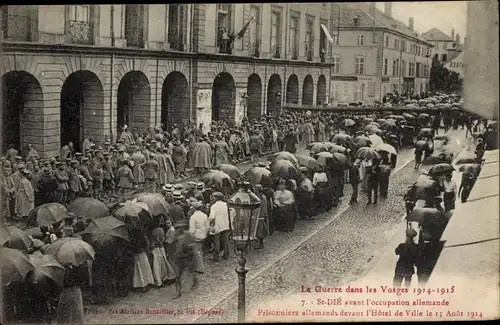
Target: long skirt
449,201
162,270
143,275
70,306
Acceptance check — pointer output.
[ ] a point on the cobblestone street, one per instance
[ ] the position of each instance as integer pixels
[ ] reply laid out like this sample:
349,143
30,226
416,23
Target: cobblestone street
331,249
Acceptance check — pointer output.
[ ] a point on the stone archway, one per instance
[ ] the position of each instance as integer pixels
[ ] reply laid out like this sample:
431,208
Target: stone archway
274,95
133,106
174,100
22,101
254,97
308,90
321,91
223,98
82,108
292,90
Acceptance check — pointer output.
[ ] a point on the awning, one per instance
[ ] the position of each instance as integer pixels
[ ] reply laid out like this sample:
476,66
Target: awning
327,33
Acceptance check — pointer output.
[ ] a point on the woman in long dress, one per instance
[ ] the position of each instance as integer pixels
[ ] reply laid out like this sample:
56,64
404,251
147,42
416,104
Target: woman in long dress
162,270
70,306
143,275
221,151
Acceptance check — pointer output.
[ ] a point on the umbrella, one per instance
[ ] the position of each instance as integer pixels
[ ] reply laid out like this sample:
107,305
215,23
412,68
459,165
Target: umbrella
307,161
367,153
218,179
362,141
420,214
426,132
284,155
15,265
390,126
348,122
340,160
367,120
13,237
284,169
229,169
470,168
259,175
408,116
46,267
387,148
375,140
105,233
381,120
424,187
342,139
441,169
70,250
368,127
376,131
421,144
374,123
337,148
316,147
88,207
47,214
325,158
466,158
391,120
399,118
157,204
423,116
138,210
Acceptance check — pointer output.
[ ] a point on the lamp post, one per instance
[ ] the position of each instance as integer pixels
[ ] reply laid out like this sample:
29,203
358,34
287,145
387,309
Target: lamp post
243,211
243,100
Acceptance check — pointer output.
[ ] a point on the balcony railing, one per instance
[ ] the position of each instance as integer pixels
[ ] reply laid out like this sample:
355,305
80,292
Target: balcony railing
17,28
176,43
81,32
254,49
225,46
135,37
276,52
309,55
294,54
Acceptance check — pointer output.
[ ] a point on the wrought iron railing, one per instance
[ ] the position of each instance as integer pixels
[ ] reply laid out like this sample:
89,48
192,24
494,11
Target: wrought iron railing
276,52
17,28
135,37
81,32
176,42
254,49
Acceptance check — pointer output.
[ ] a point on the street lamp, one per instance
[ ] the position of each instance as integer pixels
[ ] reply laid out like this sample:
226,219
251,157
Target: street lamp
243,207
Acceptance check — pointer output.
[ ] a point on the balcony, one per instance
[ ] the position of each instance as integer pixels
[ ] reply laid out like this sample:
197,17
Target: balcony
17,28
309,55
135,37
322,57
294,54
254,49
176,43
276,52
81,32
225,46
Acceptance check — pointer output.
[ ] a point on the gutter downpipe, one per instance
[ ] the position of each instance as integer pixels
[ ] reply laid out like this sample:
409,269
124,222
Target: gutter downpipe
112,73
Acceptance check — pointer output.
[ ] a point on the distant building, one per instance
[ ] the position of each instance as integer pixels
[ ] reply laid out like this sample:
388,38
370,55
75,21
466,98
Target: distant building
446,48
375,54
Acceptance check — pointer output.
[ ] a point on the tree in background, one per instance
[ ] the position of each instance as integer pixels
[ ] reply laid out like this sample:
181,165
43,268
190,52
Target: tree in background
442,79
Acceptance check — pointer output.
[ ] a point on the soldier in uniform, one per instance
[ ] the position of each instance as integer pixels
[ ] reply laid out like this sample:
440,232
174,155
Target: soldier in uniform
125,177
151,169
97,177
62,179
84,171
180,201
74,182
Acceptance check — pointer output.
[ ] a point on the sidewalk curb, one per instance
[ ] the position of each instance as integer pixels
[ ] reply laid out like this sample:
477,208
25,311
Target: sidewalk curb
336,216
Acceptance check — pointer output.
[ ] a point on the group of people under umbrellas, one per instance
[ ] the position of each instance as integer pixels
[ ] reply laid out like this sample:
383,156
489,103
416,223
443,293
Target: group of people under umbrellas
152,238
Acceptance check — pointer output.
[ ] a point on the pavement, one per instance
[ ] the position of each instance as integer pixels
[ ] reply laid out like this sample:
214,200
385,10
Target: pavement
333,249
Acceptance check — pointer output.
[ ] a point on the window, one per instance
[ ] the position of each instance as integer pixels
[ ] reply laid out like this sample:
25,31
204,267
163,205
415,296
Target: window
175,30
396,44
276,35
444,57
361,40
224,12
410,69
360,65
323,44
385,66
417,70
309,39
394,68
17,22
403,45
294,36
79,13
335,37
255,31
336,64
355,92
345,92
336,91
387,41
403,68
397,68
436,57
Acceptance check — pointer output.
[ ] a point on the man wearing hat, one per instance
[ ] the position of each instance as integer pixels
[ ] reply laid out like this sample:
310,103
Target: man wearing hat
125,177
183,256
190,190
151,169
62,179
198,227
408,254
199,191
17,174
25,195
78,157
180,201
179,156
85,173
168,189
66,151
74,182
108,182
219,226
175,211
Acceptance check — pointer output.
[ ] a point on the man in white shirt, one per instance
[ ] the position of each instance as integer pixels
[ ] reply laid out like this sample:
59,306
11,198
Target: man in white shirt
219,222
450,193
320,183
198,228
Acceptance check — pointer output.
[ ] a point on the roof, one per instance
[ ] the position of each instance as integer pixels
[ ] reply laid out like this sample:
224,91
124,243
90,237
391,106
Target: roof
370,19
436,35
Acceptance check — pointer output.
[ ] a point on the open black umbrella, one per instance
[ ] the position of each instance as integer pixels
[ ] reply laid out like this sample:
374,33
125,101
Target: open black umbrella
47,214
337,148
71,251
14,237
421,144
217,178
15,265
105,234
390,126
342,139
307,161
229,169
284,169
421,214
367,153
136,210
46,267
88,207
425,132
156,203
316,147
470,168
340,160
441,169
362,141
284,155
259,175
325,158
348,122
425,188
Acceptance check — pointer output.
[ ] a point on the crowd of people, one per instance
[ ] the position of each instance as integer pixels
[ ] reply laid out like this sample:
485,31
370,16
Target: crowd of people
197,220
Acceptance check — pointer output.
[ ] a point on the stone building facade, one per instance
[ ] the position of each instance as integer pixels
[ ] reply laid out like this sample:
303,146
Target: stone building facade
73,71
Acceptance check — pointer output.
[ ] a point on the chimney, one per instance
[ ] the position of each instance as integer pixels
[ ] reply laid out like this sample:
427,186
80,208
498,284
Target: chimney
452,34
457,38
410,23
388,9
